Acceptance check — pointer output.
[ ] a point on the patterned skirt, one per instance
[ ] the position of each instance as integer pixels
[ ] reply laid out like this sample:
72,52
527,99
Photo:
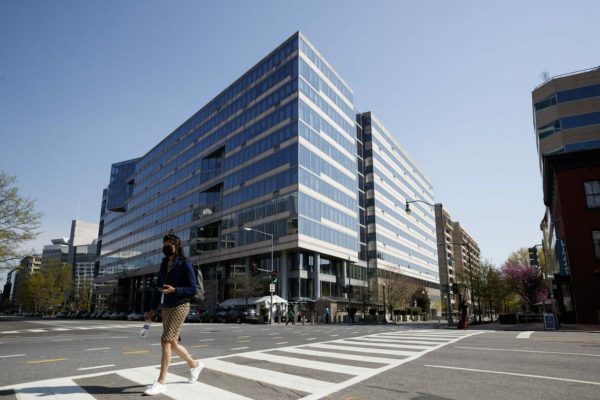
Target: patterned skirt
172,319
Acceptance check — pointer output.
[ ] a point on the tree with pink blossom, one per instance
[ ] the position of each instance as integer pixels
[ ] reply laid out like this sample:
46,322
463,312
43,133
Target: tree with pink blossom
525,279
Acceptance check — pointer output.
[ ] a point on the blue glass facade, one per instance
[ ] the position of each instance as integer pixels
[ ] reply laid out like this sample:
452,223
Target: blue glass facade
278,151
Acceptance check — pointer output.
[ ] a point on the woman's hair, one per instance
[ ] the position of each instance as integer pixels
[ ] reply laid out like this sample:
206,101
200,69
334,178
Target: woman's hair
173,238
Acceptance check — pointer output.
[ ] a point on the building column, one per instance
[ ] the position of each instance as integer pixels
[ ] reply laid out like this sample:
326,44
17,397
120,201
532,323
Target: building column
317,275
283,275
345,276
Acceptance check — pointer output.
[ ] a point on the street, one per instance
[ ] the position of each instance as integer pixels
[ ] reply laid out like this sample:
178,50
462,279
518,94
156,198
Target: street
87,359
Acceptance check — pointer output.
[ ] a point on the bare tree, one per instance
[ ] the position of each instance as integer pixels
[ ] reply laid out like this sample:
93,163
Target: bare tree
246,286
399,290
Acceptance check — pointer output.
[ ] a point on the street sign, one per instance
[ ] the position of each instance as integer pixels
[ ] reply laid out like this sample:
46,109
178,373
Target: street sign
549,321
272,287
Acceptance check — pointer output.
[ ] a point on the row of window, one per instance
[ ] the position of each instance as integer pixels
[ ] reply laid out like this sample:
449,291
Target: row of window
273,183
383,243
321,86
331,151
314,120
379,146
287,203
149,222
322,66
316,164
318,210
565,96
259,147
400,262
171,160
575,121
320,103
395,228
331,236
275,59
313,182
395,152
403,178
400,213
287,155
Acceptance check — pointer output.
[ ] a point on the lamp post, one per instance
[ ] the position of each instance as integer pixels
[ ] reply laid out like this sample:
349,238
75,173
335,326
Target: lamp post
272,269
407,205
384,310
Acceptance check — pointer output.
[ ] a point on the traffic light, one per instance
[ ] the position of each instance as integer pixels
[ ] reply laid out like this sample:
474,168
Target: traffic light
533,256
254,268
274,276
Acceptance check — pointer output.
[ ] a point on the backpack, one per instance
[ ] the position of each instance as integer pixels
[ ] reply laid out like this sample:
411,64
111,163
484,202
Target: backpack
198,298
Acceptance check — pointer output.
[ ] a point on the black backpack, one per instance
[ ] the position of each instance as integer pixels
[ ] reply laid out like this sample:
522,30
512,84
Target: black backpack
198,298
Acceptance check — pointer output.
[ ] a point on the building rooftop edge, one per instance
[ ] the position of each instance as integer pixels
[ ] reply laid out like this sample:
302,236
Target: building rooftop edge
564,76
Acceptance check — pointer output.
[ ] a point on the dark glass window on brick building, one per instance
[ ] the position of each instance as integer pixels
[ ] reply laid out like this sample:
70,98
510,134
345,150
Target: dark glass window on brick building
592,193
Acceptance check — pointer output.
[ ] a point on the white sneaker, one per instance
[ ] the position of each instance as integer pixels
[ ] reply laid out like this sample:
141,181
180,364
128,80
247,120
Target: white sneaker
195,372
156,388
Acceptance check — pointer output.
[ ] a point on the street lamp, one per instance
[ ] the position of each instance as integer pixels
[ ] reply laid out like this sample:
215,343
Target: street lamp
272,269
407,207
384,310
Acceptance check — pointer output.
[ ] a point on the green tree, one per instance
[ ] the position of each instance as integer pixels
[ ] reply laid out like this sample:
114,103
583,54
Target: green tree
83,296
18,221
58,280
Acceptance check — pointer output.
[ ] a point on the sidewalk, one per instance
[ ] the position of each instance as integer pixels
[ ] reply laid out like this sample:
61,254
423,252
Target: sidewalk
536,326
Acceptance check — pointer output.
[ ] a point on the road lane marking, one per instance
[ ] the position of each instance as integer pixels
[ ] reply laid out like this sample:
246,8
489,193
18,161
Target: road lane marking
60,329
515,374
277,337
13,355
282,379
274,333
136,352
205,340
200,345
45,361
35,330
244,341
61,388
528,351
239,348
334,335
282,343
243,337
99,348
524,335
119,337
10,332
62,340
97,367
311,338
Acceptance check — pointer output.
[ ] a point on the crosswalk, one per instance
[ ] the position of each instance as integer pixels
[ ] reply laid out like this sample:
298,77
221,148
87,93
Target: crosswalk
70,328
308,372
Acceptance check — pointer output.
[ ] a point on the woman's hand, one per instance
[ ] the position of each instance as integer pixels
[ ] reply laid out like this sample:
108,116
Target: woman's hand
168,289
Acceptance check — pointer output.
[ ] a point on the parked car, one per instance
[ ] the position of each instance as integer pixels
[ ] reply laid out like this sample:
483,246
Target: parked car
61,315
241,314
213,315
134,316
194,315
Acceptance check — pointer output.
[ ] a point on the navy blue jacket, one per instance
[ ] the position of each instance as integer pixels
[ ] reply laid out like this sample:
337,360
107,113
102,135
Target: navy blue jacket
181,277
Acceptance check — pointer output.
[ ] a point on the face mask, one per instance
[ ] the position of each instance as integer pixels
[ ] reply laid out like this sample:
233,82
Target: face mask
168,250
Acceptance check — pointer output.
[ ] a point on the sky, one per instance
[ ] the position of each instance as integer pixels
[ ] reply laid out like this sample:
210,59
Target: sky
86,84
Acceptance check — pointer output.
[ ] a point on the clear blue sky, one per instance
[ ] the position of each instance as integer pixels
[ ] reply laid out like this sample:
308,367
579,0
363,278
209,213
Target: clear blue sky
85,84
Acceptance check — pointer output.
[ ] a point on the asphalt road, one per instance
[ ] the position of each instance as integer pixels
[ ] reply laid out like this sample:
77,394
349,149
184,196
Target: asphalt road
108,360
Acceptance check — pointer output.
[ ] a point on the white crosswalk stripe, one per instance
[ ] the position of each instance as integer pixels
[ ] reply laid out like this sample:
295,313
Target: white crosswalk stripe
280,367
71,328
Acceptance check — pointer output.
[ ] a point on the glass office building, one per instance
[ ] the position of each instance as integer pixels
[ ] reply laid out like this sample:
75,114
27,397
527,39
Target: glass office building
269,173
398,241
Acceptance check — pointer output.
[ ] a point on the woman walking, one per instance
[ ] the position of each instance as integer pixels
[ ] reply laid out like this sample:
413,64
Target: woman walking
176,284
